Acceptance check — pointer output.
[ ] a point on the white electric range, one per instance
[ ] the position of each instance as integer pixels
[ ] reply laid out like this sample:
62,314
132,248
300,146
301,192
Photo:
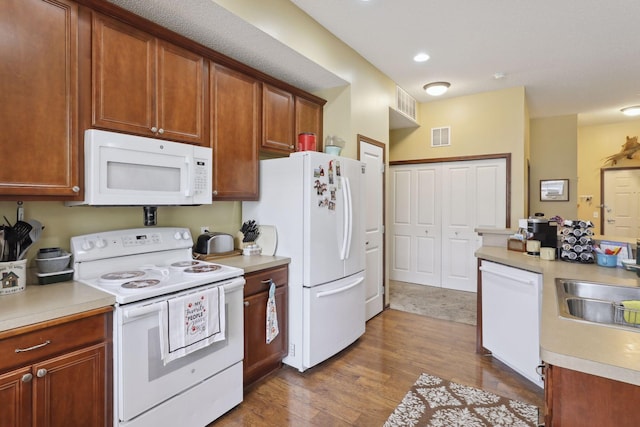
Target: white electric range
144,269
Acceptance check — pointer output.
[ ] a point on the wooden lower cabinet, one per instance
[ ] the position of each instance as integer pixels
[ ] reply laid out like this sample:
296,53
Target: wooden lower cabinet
57,375
261,358
578,399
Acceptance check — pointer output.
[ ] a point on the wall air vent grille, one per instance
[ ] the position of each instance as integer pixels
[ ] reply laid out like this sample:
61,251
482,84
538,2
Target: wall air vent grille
441,137
405,103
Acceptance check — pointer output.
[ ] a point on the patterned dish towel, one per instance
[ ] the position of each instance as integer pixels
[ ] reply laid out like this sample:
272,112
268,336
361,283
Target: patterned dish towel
191,322
272,314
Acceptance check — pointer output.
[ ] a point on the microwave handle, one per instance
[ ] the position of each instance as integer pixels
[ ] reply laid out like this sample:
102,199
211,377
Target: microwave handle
189,163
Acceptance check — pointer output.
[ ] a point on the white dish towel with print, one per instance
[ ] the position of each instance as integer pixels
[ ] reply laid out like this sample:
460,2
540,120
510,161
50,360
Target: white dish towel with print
272,314
191,322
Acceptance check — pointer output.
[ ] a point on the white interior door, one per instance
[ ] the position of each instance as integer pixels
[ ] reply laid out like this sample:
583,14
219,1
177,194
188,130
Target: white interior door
621,214
373,156
415,224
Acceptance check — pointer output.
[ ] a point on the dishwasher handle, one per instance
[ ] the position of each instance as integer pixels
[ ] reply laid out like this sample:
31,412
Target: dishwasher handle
505,276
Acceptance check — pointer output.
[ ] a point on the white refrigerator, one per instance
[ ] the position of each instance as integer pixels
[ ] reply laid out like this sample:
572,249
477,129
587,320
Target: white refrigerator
315,201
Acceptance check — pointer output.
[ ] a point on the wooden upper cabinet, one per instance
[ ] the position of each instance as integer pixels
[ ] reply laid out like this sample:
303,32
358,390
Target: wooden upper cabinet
309,119
39,90
235,133
146,86
277,120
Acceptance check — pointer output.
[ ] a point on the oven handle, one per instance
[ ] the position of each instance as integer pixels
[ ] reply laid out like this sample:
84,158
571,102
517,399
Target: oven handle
141,311
229,286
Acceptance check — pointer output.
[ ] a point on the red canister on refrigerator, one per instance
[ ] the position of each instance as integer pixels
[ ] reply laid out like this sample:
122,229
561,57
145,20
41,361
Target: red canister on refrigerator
307,141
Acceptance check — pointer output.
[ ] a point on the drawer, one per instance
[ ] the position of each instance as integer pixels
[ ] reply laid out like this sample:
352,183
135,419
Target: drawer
61,338
259,281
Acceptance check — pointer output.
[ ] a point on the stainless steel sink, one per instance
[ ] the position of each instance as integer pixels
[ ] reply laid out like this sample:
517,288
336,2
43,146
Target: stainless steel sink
598,303
598,290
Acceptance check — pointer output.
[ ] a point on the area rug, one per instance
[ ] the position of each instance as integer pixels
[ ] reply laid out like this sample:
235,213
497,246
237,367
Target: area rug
432,301
435,402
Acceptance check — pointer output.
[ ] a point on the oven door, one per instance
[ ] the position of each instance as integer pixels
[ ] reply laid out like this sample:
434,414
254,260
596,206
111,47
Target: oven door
142,381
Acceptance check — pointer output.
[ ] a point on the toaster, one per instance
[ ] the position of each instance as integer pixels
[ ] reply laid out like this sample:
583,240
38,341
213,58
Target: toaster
214,243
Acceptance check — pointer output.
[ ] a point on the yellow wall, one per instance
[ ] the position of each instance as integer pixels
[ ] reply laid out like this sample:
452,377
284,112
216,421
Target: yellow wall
595,144
553,149
487,123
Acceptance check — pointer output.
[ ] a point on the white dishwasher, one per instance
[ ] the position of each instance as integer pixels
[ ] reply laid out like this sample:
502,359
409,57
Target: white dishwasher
511,303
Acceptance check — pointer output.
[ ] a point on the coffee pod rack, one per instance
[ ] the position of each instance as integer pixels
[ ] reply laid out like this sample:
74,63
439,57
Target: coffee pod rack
576,243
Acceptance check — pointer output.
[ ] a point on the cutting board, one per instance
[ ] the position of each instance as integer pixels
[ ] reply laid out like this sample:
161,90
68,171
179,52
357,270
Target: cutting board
268,239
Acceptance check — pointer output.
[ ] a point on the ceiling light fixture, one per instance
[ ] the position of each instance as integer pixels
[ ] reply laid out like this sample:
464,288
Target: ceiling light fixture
631,111
436,88
421,57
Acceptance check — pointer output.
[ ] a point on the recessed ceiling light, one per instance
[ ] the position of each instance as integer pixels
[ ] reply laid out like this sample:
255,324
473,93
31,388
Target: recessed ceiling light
499,75
421,57
436,88
631,111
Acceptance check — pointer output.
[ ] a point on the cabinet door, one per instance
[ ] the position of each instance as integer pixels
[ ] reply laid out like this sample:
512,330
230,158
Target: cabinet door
309,119
181,101
72,389
15,395
277,120
235,128
39,108
123,77
261,358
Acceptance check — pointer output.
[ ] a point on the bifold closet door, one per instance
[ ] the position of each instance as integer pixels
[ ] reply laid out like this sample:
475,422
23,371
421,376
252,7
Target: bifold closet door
435,209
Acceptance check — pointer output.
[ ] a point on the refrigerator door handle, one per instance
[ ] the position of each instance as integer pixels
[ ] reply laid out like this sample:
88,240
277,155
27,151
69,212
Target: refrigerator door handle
350,231
340,290
345,227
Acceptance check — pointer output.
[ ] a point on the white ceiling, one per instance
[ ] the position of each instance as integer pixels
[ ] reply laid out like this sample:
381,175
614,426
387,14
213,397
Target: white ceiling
572,56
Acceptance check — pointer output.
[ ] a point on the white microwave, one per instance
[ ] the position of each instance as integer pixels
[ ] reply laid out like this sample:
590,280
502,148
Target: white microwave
129,170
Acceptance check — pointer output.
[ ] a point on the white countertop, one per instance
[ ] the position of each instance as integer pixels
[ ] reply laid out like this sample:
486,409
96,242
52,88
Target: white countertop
601,350
39,303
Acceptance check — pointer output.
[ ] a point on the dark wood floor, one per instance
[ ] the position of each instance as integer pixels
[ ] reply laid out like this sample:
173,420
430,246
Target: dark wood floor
363,384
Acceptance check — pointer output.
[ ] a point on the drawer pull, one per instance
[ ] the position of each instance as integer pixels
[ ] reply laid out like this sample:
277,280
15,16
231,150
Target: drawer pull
26,378
41,372
22,350
266,281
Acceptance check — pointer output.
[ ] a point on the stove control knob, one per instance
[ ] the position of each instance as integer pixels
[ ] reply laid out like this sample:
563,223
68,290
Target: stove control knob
177,236
186,235
87,245
101,243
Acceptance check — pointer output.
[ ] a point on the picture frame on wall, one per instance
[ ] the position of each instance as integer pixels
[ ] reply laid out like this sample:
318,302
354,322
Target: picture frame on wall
554,190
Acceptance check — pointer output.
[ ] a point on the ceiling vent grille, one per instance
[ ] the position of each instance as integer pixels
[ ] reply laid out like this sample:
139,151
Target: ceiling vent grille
405,103
441,137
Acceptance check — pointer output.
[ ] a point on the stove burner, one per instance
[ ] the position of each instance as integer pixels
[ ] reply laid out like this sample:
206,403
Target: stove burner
182,264
207,268
141,284
122,275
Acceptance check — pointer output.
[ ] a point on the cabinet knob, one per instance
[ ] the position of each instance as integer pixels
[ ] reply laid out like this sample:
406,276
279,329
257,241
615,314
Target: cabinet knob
154,129
75,189
41,372
215,192
160,131
291,147
26,378
246,303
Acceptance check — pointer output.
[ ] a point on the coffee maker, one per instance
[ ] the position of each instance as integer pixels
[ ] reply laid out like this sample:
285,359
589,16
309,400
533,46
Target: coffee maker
543,230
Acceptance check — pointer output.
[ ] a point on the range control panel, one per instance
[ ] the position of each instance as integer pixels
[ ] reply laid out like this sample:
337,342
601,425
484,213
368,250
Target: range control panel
111,244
